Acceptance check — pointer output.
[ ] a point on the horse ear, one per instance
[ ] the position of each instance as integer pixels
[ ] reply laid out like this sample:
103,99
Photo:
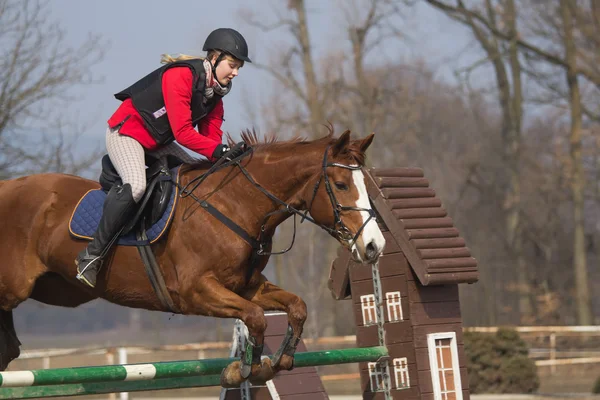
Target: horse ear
366,142
342,143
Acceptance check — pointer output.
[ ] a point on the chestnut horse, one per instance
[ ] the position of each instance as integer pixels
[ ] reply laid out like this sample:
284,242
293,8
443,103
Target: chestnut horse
205,264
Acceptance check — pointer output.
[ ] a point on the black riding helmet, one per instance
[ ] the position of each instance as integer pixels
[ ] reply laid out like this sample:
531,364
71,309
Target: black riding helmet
228,41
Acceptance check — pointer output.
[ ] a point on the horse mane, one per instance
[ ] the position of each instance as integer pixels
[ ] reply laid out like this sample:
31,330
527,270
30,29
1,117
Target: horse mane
252,138
272,140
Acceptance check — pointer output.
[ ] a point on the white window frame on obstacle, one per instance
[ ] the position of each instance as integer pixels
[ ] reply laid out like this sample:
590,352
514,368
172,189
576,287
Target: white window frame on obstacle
376,376
401,373
369,309
439,387
394,306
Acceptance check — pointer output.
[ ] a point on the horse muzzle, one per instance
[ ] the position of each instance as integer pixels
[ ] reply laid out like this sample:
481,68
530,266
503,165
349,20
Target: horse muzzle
369,253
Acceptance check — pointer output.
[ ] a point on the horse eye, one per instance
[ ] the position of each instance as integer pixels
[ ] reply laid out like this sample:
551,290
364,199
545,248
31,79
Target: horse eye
341,186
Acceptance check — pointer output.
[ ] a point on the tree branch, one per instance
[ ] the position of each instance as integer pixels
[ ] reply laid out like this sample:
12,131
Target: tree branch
551,58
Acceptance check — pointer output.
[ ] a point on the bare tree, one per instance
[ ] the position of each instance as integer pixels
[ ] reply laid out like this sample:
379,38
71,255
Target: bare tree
300,31
584,306
561,34
371,25
302,87
524,44
37,71
564,28
504,58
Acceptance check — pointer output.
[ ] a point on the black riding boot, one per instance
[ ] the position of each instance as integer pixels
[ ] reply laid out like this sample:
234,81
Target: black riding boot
118,209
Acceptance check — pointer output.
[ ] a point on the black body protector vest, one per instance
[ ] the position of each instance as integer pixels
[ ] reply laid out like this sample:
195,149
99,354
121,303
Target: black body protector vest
147,98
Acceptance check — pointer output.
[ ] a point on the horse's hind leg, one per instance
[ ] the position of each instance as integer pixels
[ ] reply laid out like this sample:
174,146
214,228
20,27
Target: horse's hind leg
9,343
272,298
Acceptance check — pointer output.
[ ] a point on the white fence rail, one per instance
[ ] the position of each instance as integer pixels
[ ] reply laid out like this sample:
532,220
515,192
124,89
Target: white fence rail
554,357
545,357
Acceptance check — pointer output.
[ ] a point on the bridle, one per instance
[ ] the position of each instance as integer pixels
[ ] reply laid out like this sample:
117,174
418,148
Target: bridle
340,230
260,244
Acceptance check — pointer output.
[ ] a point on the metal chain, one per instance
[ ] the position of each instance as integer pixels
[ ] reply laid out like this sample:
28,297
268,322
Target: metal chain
379,310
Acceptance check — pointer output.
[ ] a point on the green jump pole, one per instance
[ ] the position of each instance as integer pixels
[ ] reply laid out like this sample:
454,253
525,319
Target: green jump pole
339,356
80,389
81,376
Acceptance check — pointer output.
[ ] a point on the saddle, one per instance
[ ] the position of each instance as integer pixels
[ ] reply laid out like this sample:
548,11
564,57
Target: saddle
157,197
159,188
153,216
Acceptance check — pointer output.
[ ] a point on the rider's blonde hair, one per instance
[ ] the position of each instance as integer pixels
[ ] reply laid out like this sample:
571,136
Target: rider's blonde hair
167,58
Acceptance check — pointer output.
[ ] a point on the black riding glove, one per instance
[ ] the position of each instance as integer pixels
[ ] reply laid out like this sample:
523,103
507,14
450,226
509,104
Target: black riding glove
235,153
220,151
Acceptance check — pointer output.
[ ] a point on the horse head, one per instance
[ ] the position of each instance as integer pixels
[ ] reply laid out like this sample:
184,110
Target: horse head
337,199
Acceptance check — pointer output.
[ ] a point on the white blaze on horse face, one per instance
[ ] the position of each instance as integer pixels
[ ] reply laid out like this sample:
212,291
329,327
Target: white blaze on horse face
371,232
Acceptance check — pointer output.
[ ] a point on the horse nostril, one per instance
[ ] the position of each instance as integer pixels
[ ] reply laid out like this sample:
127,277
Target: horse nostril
371,251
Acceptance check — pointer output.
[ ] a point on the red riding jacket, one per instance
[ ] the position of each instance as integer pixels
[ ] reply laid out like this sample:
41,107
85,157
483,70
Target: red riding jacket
177,93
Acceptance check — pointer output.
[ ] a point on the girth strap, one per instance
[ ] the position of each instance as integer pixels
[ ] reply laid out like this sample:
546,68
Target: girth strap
154,273
257,246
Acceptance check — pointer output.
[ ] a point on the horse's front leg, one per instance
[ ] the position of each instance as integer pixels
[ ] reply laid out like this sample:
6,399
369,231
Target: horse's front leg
272,298
212,299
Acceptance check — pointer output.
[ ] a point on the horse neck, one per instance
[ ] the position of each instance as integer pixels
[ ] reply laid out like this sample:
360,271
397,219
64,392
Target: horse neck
286,174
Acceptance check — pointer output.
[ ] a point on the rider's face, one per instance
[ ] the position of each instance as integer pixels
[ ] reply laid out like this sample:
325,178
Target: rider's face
227,69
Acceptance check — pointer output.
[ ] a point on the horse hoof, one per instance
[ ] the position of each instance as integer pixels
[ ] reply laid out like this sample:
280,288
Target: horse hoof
231,377
286,363
266,373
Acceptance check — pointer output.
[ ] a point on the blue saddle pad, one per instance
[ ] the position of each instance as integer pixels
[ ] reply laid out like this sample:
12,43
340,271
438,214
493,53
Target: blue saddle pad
86,217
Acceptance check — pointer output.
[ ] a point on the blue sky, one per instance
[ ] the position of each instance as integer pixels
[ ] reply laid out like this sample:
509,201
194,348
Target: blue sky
139,31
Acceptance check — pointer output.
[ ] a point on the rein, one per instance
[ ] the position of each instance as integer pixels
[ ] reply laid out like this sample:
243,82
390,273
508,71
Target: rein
260,244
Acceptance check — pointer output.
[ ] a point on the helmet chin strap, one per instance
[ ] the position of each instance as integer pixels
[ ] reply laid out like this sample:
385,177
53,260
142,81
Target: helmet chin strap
220,58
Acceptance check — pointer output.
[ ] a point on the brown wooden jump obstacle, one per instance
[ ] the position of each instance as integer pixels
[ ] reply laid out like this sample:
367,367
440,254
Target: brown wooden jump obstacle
409,302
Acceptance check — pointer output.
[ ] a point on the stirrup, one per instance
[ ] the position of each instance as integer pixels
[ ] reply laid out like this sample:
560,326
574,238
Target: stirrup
81,278
88,260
